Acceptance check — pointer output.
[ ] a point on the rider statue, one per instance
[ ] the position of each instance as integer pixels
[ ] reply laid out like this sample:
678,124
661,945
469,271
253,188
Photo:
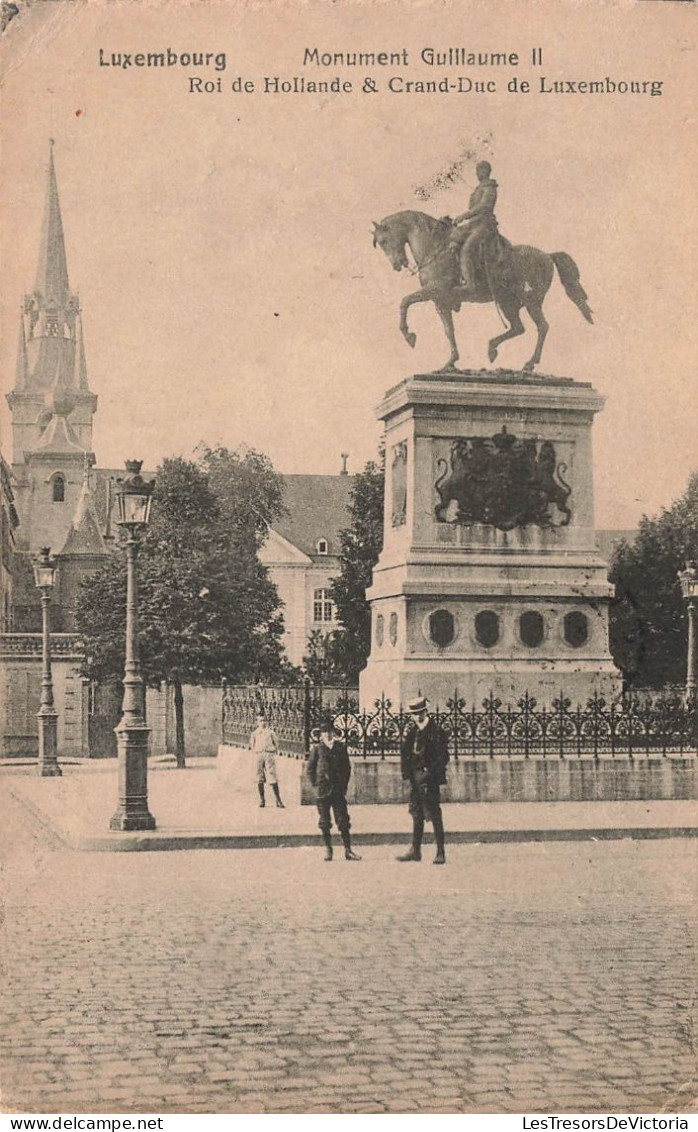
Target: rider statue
469,238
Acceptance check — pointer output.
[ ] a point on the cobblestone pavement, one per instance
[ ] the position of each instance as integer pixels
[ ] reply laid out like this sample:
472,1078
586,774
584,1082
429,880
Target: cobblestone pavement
537,977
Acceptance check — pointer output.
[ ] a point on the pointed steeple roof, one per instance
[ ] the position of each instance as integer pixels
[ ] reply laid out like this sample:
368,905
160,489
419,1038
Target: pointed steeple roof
84,535
52,271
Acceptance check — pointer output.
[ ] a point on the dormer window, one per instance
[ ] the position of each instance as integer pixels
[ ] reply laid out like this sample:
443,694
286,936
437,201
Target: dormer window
322,546
58,488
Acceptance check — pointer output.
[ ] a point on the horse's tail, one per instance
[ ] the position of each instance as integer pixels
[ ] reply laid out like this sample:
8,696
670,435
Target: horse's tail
569,277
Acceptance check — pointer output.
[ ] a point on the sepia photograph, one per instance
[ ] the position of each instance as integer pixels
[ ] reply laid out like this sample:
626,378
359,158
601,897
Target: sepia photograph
348,561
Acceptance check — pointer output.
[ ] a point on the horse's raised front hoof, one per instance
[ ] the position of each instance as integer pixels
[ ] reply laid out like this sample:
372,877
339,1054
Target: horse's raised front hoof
492,352
411,339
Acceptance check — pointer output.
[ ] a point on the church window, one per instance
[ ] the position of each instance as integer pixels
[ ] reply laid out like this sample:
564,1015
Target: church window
487,628
323,606
576,629
442,628
532,629
58,488
322,546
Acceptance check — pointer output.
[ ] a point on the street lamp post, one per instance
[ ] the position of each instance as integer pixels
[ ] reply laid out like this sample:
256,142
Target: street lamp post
689,589
133,497
44,578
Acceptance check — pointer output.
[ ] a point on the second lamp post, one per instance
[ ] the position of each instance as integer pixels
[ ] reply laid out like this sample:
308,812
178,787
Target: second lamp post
44,577
133,497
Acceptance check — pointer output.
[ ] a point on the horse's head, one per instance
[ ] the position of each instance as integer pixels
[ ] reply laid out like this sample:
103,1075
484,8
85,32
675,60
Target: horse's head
390,238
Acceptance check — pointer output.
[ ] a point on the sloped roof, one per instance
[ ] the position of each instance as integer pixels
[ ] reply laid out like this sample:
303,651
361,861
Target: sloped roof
100,494
317,507
58,438
84,535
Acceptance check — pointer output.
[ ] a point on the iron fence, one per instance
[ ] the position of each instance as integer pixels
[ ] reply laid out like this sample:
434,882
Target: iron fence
631,728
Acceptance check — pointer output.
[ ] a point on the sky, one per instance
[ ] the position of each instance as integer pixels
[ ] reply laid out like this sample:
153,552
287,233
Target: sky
221,243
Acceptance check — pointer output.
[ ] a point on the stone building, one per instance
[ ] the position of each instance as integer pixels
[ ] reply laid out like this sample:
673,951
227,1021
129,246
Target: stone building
53,484
302,555
52,409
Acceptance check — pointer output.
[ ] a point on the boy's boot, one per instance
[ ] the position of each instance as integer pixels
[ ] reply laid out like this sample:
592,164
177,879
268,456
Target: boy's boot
327,838
260,787
349,855
279,803
440,858
415,853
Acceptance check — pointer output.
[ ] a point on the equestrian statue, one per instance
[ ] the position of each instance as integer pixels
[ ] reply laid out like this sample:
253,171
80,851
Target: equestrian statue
466,260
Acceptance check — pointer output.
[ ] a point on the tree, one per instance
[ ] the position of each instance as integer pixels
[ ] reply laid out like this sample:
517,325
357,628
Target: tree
207,607
321,663
648,620
361,544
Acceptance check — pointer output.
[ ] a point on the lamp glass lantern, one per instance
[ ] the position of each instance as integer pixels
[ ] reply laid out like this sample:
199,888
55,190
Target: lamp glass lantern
134,496
44,570
689,581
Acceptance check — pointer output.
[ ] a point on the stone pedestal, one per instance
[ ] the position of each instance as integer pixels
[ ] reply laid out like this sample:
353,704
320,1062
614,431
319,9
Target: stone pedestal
490,580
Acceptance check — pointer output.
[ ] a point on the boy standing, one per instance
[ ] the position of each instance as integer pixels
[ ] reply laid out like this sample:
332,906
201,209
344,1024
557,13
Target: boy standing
329,770
424,757
263,742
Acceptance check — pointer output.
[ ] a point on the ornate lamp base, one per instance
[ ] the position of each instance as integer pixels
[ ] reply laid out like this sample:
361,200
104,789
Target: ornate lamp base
48,744
132,811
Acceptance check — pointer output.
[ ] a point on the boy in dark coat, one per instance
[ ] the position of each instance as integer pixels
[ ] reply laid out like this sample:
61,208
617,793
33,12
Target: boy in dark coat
329,770
423,761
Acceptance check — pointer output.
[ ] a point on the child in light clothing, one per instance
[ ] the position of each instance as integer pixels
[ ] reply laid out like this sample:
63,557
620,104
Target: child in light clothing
263,742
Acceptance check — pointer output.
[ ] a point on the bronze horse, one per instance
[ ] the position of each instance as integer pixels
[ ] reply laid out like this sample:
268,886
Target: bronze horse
522,282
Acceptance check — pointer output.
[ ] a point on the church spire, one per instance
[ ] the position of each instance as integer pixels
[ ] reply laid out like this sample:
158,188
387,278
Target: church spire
51,367
52,272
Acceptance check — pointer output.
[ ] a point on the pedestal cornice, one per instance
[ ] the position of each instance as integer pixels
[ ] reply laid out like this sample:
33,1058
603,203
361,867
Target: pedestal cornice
491,389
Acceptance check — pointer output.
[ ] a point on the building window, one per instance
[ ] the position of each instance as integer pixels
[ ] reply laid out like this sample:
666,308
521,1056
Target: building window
323,606
58,488
532,629
322,546
442,628
487,628
576,629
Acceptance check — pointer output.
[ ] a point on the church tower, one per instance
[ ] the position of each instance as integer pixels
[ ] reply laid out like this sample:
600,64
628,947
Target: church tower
51,403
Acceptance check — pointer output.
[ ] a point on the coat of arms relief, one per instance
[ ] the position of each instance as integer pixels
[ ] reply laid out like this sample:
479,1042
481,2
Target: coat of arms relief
503,481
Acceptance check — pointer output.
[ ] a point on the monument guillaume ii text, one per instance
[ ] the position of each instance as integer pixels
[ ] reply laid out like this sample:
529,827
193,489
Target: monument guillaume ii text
490,579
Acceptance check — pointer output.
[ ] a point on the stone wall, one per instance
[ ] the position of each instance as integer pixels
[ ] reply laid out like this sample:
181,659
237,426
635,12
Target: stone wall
20,688
379,782
202,719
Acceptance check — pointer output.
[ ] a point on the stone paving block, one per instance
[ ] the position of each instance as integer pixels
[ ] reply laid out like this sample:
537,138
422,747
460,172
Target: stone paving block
605,981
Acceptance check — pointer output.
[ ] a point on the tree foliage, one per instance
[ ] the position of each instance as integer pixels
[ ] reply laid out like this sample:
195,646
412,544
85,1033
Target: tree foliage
207,607
361,543
322,660
648,617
